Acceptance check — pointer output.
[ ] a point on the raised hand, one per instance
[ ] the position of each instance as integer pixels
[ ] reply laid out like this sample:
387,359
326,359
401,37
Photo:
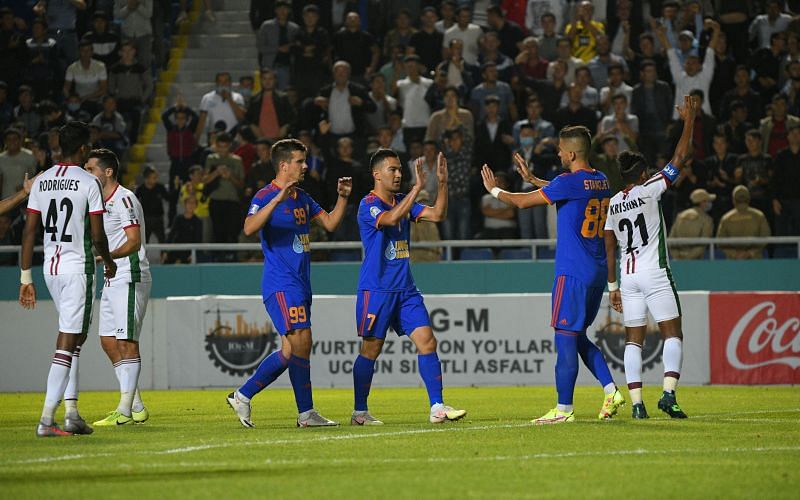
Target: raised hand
522,168
345,186
422,175
688,111
489,182
441,168
27,184
286,191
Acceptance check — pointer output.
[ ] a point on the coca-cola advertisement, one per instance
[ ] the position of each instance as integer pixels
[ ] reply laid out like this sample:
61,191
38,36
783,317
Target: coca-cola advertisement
755,338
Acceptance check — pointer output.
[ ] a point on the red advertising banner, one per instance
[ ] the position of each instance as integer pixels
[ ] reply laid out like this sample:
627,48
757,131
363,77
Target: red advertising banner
755,338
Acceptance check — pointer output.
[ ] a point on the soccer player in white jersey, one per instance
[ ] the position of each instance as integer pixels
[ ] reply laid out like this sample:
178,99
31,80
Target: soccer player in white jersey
635,220
124,300
69,201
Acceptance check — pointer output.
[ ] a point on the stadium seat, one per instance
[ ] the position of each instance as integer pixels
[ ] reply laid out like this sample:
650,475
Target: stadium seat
515,254
476,254
345,256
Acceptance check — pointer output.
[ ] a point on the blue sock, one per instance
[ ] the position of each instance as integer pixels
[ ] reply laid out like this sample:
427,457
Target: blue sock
300,375
594,360
566,365
270,369
363,369
430,369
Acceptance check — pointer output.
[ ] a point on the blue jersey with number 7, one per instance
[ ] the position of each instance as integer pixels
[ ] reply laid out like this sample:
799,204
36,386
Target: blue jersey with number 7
581,198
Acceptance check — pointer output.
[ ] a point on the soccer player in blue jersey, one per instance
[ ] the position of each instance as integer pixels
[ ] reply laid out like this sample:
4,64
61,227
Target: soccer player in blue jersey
387,295
581,197
281,213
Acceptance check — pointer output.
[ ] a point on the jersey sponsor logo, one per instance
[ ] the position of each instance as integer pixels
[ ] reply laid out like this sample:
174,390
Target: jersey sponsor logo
301,243
618,208
59,185
610,338
397,250
374,212
235,344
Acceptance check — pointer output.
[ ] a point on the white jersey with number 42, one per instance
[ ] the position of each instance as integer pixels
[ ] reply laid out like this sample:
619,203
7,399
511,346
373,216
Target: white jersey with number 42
123,211
65,196
636,219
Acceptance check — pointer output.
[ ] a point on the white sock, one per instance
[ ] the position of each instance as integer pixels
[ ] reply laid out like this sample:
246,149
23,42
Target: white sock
610,388
241,397
130,378
564,408
56,382
673,359
138,404
633,371
71,391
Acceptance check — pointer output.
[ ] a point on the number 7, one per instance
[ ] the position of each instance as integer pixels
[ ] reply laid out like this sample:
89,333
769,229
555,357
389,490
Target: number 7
371,318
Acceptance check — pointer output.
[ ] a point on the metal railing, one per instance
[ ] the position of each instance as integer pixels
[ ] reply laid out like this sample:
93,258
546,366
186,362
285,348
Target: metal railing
449,245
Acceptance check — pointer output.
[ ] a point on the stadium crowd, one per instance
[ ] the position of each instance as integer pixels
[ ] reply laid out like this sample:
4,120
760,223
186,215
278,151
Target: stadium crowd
421,77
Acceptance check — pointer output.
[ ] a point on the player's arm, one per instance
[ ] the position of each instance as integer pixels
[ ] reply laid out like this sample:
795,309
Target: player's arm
27,292
18,197
255,222
438,212
519,200
614,295
100,242
687,113
330,221
133,243
401,210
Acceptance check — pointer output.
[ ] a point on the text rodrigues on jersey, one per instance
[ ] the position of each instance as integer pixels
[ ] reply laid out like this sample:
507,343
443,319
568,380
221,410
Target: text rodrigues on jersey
59,184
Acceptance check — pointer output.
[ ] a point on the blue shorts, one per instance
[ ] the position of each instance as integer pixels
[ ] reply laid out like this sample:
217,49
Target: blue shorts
404,311
289,310
575,304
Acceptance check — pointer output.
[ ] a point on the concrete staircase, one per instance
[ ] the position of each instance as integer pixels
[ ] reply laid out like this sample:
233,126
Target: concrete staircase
201,51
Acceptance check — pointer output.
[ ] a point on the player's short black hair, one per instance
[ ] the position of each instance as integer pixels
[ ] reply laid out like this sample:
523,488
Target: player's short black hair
107,159
380,155
631,166
72,136
578,132
283,149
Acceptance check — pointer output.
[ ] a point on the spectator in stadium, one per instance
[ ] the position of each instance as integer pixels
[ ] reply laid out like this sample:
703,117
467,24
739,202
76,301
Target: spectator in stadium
153,195
616,86
396,126
753,170
181,147
130,82
491,86
533,220
647,53
87,78
42,68
193,188
223,182
621,124
73,109
736,127
61,24
590,97
221,104
792,87
185,228
245,148
275,38
499,218
574,112
425,230
651,102
529,62
112,127
13,50
27,112
542,128
452,115
493,137
261,172
15,163
343,164
270,114
136,19
411,98
719,168
601,64
774,129
693,74
548,37
105,43
401,33
786,186
509,32
704,127
52,115
345,105
457,148
724,73
764,26
583,32
564,48
384,103
312,54
742,222
395,69
624,25
490,52
427,42
742,91
459,72
356,47
448,11
766,64
465,31
384,139
693,222
603,157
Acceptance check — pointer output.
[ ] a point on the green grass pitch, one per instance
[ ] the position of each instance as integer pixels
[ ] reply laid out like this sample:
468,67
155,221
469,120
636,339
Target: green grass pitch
739,442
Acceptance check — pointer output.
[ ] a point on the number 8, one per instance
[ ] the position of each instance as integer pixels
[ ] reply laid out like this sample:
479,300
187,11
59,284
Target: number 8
595,218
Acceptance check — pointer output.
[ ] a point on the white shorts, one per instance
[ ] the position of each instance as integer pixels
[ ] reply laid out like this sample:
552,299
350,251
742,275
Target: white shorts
649,290
73,295
122,308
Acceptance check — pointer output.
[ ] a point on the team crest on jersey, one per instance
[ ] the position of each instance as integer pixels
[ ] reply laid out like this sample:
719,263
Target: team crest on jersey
374,212
236,345
611,340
